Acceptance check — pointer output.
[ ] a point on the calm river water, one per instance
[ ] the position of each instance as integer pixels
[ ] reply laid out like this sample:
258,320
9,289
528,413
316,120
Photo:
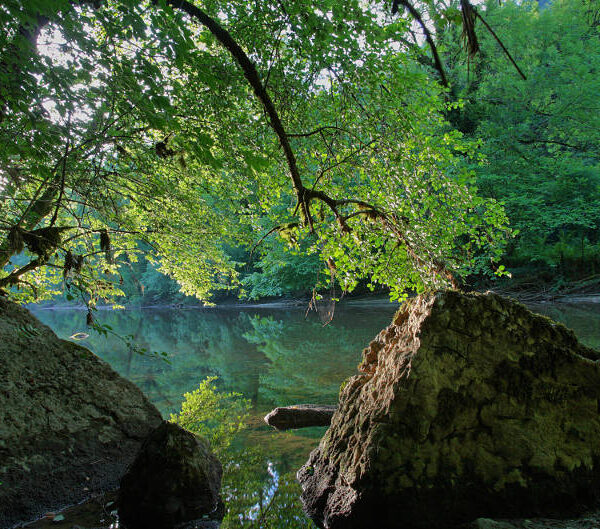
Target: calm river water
274,357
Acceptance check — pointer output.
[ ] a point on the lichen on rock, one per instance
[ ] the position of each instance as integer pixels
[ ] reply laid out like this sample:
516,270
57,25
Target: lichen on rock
467,406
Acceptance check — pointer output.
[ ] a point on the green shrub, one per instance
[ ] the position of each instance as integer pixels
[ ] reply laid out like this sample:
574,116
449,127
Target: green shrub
214,415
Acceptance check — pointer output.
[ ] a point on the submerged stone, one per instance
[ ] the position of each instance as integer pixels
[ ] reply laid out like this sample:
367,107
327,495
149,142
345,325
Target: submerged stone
469,406
174,479
69,424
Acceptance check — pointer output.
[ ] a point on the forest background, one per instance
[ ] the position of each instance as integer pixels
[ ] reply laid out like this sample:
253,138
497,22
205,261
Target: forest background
520,130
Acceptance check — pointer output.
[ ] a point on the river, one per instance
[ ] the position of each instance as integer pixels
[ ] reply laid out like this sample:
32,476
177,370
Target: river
274,356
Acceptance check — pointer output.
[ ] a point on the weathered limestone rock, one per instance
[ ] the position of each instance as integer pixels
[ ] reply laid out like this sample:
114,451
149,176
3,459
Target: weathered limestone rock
469,406
174,479
69,424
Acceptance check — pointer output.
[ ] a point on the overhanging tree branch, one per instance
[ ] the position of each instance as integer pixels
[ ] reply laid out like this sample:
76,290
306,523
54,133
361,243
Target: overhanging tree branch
342,209
436,56
469,14
14,277
251,75
303,194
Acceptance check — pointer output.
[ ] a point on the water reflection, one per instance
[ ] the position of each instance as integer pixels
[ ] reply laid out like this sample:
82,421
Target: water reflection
273,357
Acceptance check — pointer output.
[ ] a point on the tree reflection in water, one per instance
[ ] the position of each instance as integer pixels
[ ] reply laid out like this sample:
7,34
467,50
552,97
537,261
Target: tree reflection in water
257,495
253,490
273,357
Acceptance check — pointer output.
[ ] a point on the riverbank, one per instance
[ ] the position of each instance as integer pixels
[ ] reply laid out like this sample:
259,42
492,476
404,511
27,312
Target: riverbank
528,290
524,288
271,303
100,513
379,300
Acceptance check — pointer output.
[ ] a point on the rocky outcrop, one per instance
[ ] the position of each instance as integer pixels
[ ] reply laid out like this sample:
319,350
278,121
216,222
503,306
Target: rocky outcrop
69,424
174,479
469,406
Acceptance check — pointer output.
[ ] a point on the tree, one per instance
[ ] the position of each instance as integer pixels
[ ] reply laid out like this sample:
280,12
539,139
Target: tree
154,123
540,136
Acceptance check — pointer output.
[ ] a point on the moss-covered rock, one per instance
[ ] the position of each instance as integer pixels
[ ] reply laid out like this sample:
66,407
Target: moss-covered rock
69,424
468,406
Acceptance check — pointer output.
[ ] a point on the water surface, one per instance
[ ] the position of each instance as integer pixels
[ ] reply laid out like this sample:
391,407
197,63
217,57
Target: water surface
274,357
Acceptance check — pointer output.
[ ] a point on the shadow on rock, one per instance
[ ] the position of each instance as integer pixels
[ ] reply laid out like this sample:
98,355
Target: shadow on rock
174,482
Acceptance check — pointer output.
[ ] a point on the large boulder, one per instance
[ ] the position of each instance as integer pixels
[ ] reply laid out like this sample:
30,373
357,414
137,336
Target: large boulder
468,406
69,424
174,479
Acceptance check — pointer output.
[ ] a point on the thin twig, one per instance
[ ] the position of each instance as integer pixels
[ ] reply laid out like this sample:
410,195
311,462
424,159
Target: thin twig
264,237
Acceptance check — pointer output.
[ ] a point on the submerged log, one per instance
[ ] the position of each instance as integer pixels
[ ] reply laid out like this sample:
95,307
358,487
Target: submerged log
300,416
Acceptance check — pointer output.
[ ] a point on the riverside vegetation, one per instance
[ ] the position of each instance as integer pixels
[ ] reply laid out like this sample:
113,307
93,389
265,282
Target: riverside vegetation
159,149
109,163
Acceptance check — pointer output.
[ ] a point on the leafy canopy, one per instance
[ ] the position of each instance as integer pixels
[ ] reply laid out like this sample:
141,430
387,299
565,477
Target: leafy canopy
181,130
541,136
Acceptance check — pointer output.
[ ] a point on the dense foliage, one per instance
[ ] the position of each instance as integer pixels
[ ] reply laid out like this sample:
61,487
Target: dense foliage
540,136
182,132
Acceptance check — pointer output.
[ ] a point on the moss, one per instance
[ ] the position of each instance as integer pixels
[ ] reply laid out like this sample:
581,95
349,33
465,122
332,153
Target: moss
488,466
513,477
343,385
513,381
450,404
